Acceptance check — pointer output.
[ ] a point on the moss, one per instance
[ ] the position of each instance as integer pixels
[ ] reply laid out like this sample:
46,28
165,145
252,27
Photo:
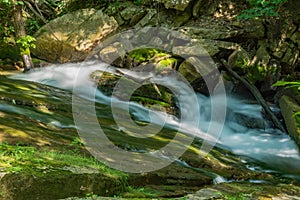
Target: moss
145,54
148,102
140,192
169,63
147,94
28,159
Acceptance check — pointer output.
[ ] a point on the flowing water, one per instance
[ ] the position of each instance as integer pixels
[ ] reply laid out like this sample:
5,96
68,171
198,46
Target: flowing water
262,147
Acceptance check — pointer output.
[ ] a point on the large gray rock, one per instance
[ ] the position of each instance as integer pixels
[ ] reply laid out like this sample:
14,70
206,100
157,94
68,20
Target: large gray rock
71,37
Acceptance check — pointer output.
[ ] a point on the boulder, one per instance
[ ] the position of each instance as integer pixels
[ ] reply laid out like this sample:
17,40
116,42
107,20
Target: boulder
71,37
136,89
288,108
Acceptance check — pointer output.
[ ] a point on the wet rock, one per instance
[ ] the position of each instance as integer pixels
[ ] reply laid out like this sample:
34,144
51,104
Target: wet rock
71,37
249,121
130,88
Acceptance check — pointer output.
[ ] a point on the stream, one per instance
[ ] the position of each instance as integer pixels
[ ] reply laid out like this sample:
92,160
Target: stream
262,148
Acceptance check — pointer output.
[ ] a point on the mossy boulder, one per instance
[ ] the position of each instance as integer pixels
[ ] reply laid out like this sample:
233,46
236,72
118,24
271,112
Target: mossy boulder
147,94
28,173
71,37
289,107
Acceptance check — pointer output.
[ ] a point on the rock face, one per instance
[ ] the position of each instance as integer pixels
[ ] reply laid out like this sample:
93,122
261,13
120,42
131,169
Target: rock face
70,38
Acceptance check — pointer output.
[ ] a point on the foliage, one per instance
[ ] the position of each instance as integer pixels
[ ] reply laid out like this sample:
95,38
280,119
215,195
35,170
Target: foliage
288,84
262,8
138,2
6,26
21,158
25,43
9,2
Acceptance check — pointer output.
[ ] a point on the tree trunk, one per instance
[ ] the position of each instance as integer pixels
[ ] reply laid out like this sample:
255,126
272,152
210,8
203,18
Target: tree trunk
21,33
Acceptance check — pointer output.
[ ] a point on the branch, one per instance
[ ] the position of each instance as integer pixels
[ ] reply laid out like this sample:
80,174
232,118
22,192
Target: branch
35,12
255,92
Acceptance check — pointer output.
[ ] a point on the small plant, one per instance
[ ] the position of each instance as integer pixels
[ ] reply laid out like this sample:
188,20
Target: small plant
77,141
91,195
25,43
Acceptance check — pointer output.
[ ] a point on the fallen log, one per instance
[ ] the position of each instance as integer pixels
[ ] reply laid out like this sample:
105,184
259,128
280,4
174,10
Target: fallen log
256,93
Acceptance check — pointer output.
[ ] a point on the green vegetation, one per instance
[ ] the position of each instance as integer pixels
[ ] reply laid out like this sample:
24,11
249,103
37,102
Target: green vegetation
25,43
28,159
140,192
289,84
262,8
145,54
239,196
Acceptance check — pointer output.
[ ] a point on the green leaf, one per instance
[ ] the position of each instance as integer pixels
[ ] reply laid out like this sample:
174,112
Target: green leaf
19,3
